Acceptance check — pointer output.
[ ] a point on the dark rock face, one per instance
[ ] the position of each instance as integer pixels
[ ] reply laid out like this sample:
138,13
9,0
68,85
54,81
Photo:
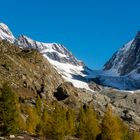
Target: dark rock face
127,58
110,63
133,59
63,91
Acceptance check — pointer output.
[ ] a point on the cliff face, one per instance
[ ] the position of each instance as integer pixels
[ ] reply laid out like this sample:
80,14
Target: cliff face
127,59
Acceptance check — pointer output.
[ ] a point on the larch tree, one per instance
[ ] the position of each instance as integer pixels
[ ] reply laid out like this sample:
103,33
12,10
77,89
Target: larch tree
110,128
8,110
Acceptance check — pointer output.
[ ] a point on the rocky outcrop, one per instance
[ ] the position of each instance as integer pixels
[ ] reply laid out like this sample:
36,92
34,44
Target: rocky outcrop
63,91
126,104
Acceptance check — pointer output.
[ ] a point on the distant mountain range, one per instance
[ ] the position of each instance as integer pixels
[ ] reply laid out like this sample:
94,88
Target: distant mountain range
122,71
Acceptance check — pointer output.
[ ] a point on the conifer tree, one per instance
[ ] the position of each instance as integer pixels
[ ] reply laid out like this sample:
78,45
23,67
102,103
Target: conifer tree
70,118
135,136
32,119
110,126
88,127
8,110
125,134
92,125
81,123
38,105
41,127
56,125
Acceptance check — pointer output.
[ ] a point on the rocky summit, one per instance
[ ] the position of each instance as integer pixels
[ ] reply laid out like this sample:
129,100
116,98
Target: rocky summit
122,70
127,59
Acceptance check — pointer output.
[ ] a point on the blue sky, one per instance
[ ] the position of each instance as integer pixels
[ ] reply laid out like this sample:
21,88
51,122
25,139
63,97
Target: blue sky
91,29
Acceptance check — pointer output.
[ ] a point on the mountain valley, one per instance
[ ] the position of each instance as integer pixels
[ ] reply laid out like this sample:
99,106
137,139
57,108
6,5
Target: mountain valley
49,71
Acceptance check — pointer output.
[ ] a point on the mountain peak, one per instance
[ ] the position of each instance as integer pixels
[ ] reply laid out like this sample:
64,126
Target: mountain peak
4,26
6,34
126,59
137,38
53,51
124,66
138,34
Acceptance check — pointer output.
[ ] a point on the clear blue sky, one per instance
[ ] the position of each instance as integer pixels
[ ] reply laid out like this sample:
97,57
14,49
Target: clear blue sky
91,29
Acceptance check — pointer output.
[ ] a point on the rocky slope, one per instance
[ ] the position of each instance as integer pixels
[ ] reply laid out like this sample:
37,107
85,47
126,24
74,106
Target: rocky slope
126,104
30,74
27,70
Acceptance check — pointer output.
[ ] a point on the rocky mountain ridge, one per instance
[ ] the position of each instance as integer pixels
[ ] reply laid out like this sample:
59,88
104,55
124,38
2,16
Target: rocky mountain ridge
127,59
122,70
63,60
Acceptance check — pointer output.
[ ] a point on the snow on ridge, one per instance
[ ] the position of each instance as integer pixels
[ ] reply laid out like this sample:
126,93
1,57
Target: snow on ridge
5,27
68,71
43,47
127,46
6,34
62,60
118,62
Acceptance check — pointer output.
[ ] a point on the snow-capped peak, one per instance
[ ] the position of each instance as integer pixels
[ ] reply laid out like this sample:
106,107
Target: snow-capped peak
115,65
6,34
64,62
54,51
123,69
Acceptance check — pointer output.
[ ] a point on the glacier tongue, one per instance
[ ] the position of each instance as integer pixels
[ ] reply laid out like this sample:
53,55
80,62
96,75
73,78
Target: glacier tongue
6,34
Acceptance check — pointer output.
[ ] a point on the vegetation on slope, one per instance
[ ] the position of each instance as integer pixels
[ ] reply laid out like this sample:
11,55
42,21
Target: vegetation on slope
56,121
